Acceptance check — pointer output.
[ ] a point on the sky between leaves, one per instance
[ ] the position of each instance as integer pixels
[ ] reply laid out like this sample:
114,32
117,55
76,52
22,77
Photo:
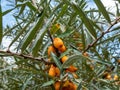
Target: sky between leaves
9,20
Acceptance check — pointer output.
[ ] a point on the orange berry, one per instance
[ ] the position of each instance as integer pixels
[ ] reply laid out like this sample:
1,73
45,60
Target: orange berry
68,85
86,54
72,86
75,87
52,71
72,68
118,61
57,71
64,58
51,49
57,85
115,77
108,76
62,49
58,43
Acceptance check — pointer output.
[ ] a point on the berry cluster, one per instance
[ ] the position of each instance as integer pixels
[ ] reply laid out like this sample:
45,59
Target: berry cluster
58,46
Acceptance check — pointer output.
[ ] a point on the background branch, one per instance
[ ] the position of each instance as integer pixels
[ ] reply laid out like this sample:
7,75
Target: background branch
9,53
103,33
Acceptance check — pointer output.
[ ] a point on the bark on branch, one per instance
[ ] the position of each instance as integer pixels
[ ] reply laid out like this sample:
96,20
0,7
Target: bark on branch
9,53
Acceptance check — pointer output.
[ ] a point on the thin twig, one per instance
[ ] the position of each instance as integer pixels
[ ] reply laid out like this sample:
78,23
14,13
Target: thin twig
49,34
25,56
103,33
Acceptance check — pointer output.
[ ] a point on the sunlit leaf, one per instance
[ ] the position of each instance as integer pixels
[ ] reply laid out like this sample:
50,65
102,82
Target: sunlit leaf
39,38
64,9
102,10
72,59
31,34
48,83
56,60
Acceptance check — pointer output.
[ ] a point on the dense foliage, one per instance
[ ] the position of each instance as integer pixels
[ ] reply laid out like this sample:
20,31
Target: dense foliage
91,37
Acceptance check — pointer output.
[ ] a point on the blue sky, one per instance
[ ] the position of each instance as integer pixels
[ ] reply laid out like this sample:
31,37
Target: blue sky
9,20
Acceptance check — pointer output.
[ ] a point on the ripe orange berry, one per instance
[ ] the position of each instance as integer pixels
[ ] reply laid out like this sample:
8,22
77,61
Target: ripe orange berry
62,49
57,85
75,87
68,85
115,77
52,71
72,68
118,61
64,58
86,54
72,86
108,76
58,43
57,71
51,49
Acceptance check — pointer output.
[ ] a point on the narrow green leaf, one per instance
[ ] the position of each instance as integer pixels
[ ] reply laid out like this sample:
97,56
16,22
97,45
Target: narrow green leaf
101,61
48,83
32,7
1,24
66,52
72,59
64,8
39,38
22,9
100,70
95,25
7,11
88,37
117,11
83,39
56,60
32,33
14,27
72,18
66,33
79,86
102,10
7,68
26,82
85,20
20,33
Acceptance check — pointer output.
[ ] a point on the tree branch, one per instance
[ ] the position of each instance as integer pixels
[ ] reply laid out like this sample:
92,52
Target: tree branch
24,56
103,33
